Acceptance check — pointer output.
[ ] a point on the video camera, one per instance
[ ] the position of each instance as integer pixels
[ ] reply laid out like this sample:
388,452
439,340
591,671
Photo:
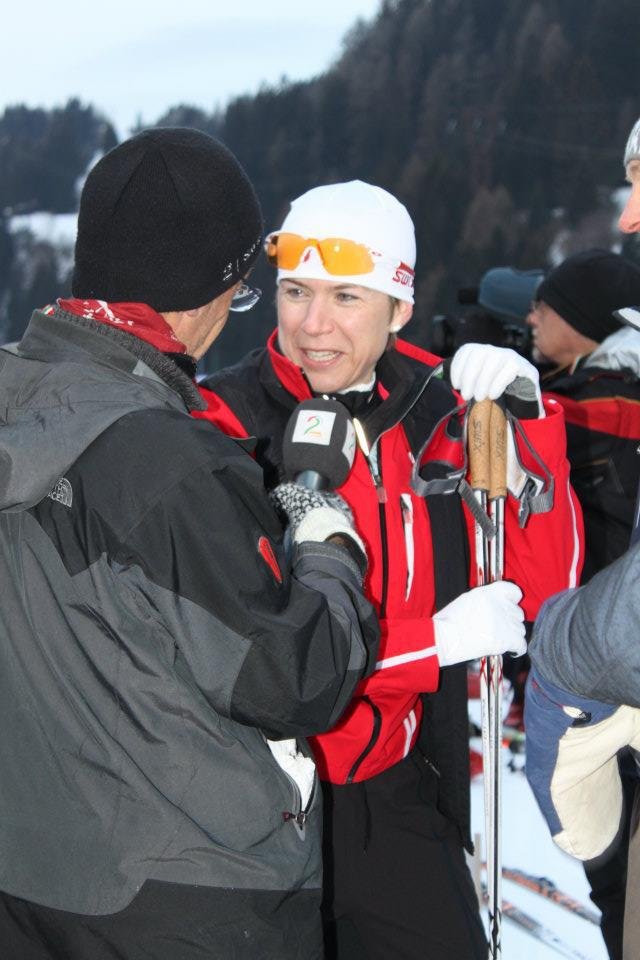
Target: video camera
502,301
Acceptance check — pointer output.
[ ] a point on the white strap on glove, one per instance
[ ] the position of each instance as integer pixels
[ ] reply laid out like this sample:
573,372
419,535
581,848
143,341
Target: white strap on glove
480,371
482,622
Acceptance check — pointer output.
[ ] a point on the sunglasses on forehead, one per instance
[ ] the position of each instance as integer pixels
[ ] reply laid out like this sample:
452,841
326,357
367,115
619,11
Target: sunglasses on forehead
340,257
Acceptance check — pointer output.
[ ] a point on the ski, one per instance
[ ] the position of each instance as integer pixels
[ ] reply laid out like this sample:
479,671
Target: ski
541,933
547,888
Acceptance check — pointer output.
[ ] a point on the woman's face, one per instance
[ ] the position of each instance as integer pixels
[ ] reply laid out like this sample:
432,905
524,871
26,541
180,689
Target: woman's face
336,332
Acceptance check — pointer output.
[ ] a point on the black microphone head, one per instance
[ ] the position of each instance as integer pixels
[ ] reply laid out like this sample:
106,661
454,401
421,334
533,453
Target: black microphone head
319,439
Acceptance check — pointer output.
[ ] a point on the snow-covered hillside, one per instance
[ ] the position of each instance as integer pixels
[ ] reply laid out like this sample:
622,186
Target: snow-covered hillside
58,229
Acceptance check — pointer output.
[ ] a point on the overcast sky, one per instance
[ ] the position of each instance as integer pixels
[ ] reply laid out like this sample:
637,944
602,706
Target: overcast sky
135,59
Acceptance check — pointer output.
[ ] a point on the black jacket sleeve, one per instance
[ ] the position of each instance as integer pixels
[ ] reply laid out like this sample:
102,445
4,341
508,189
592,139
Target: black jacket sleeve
267,646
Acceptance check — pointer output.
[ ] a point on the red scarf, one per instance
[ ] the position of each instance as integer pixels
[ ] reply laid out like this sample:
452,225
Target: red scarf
135,318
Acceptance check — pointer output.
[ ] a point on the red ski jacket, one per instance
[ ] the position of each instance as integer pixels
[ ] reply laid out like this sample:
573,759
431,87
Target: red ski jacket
420,549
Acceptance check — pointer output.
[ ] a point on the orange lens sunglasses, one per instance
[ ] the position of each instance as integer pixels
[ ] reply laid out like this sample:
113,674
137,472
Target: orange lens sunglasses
340,257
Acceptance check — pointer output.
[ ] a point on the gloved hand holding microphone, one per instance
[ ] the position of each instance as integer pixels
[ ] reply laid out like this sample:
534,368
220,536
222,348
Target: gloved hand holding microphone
318,449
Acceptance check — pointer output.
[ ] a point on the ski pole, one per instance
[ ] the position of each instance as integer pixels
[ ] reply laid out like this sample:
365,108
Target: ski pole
480,478
479,457
487,447
497,497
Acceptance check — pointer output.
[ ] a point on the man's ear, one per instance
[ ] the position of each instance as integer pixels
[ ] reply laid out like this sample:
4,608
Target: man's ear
402,313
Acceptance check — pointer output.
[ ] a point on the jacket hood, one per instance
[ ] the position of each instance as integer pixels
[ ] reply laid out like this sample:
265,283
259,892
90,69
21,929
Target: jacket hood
60,388
620,350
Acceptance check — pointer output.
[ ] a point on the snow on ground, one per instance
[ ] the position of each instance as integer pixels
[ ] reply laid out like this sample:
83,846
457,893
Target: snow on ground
527,845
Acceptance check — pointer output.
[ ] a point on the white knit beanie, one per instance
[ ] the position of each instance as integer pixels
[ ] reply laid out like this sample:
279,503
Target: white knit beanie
366,214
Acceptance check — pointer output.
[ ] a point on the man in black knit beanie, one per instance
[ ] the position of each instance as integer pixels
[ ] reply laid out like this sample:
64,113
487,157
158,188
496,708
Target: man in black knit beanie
168,218
161,651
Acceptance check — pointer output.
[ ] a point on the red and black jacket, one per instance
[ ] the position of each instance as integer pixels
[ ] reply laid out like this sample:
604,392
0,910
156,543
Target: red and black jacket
602,413
419,555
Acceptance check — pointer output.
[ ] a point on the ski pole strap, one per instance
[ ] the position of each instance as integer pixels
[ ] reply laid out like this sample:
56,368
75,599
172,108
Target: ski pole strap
535,488
478,445
453,479
452,475
536,495
483,519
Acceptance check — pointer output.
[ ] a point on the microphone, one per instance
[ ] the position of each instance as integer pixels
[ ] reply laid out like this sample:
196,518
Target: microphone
319,444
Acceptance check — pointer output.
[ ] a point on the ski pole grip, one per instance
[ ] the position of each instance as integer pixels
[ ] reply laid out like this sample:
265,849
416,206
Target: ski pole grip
497,452
478,445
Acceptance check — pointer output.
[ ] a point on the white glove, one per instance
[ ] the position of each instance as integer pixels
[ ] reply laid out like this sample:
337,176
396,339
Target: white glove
480,371
301,769
314,514
482,622
572,763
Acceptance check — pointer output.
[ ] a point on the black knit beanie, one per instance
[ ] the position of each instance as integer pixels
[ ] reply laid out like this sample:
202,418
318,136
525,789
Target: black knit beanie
587,287
168,218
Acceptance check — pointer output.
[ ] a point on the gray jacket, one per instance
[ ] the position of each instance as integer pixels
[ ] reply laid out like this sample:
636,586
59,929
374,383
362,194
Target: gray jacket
586,640
150,632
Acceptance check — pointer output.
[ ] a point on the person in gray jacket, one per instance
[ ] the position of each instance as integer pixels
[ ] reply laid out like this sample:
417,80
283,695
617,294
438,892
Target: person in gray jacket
160,658
583,694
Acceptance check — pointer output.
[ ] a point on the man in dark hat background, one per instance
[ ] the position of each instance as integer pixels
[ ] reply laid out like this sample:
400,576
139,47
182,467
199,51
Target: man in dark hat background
159,655
595,377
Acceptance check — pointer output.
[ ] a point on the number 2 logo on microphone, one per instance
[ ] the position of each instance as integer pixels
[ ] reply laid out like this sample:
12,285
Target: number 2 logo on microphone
311,429
314,426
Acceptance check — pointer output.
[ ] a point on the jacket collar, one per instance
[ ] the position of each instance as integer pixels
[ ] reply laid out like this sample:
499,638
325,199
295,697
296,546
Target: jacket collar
400,381
290,376
61,335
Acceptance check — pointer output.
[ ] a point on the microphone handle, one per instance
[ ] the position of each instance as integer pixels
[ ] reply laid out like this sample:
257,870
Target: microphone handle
312,480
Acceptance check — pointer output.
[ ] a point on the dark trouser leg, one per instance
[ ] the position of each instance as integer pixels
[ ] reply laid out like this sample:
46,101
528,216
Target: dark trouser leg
397,886
608,878
169,921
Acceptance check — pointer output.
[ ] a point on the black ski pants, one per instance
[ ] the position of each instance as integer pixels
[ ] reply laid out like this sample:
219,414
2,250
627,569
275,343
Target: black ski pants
397,886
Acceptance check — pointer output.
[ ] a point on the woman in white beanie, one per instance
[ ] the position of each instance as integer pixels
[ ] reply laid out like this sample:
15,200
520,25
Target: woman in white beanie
395,768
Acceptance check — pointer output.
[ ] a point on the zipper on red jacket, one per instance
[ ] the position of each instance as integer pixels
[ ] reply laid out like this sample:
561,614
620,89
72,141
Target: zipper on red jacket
406,510
384,544
376,473
373,739
373,456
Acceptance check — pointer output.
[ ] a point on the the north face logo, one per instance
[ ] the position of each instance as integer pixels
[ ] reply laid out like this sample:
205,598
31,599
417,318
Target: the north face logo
266,552
62,492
